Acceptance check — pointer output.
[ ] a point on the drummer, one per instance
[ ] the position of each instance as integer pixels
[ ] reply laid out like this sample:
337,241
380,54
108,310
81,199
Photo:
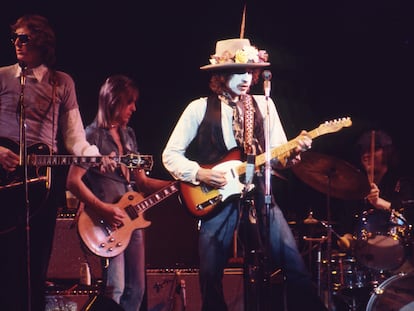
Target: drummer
390,190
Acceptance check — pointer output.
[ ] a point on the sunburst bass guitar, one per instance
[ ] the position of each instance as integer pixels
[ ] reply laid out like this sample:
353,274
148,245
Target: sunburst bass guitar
203,200
105,241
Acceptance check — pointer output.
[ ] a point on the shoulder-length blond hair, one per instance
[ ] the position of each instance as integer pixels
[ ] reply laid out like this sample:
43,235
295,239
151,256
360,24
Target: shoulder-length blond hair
116,92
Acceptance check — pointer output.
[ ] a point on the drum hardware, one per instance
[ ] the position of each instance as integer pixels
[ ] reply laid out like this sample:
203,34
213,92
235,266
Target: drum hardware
318,245
337,179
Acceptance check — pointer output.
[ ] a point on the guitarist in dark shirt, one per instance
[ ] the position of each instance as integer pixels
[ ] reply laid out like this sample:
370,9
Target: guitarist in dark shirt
101,192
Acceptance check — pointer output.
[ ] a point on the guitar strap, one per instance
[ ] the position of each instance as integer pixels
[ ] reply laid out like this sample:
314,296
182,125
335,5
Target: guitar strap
248,111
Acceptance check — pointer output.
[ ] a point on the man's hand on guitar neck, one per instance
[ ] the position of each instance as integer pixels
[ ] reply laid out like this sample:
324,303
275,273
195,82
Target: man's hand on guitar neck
8,159
107,163
214,178
304,143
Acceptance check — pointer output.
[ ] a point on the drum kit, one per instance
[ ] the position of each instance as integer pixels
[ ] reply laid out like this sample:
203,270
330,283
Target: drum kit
373,267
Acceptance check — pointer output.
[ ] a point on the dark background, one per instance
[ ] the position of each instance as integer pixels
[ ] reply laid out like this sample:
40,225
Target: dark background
330,59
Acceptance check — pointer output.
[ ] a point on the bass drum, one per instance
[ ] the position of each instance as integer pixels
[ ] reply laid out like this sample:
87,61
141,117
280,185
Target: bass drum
395,293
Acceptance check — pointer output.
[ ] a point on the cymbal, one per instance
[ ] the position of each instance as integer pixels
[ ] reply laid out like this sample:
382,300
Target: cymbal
318,222
332,176
310,220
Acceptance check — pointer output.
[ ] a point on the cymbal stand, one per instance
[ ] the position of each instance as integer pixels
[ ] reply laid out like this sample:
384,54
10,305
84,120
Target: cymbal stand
329,243
318,245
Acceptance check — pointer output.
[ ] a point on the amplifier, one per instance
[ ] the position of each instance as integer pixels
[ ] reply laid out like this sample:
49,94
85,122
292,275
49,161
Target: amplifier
73,297
67,302
163,289
69,253
78,298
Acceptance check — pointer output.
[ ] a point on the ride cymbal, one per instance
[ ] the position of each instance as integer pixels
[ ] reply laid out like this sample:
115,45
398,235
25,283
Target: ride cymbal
332,176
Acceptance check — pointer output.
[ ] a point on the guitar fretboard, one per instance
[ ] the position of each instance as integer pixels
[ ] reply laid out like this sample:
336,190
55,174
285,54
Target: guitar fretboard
324,128
53,160
133,211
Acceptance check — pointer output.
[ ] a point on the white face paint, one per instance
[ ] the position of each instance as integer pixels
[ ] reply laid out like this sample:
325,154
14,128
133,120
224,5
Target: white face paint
239,83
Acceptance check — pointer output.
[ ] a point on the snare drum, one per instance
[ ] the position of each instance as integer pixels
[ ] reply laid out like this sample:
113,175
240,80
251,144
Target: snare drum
379,242
395,293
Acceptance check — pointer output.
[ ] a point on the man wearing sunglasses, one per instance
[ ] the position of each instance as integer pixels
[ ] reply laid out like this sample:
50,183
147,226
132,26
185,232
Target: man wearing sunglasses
38,107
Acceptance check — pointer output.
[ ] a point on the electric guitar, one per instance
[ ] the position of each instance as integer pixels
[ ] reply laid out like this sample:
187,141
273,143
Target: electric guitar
105,241
40,159
203,200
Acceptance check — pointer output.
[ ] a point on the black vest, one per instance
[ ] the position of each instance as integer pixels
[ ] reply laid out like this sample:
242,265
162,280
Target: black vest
208,145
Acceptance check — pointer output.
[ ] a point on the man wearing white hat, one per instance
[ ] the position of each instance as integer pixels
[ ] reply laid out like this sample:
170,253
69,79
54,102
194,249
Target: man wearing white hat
212,129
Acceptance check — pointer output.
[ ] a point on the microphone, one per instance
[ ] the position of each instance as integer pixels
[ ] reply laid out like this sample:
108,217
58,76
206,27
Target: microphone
23,67
267,76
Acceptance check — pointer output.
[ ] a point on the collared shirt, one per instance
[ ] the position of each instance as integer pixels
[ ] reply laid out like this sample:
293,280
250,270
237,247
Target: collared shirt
184,169
110,185
43,114
34,73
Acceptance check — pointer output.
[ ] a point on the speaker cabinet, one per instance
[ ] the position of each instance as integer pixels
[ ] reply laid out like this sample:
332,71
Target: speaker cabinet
69,253
80,301
67,302
163,289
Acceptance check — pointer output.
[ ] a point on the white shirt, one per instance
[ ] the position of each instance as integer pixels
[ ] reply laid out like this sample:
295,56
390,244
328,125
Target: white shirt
173,156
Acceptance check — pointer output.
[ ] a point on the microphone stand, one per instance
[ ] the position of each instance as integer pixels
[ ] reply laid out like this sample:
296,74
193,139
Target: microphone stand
23,164
268,195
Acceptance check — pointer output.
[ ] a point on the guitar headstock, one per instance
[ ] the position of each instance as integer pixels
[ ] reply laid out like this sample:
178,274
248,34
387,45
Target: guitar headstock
335,125
140,161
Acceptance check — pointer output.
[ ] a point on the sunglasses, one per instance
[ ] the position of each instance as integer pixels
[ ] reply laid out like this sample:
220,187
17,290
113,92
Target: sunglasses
23,39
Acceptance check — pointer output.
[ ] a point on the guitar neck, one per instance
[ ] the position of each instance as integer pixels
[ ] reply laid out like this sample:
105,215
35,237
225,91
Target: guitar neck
325,128
55,160
129,160
134,210
285,148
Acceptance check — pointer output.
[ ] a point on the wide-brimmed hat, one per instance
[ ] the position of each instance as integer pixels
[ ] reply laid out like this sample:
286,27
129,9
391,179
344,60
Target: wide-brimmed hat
236,53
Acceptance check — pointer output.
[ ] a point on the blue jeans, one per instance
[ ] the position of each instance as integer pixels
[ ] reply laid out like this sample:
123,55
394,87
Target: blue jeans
215,244
126,274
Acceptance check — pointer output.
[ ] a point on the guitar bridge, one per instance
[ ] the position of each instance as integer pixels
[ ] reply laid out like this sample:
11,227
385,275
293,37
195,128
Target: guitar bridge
212,201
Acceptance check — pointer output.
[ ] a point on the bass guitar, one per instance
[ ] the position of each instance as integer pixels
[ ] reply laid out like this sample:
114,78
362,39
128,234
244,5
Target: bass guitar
39,159
203,200
106,241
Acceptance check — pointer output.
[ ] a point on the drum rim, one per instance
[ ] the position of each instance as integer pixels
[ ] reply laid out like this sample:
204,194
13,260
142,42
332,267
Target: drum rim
374,293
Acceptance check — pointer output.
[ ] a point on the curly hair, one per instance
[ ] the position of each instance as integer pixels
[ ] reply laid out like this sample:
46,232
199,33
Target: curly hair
42,36
218,80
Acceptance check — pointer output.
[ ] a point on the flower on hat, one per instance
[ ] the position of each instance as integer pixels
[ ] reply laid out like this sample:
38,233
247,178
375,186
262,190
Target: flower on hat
248,54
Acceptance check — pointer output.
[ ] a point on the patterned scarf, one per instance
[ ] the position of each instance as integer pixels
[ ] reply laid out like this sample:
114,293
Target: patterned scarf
243,124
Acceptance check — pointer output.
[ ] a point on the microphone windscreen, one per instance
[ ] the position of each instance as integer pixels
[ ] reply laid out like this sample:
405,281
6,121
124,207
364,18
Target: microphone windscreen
267,75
